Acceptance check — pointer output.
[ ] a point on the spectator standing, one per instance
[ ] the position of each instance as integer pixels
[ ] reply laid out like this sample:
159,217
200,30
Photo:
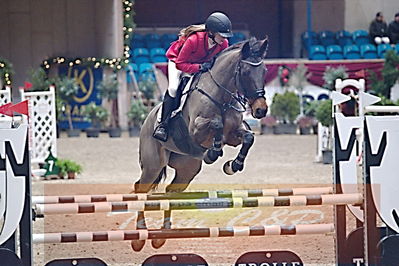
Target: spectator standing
393,29
378,30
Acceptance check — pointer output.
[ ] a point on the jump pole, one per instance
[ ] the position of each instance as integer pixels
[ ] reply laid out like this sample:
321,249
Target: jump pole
210,232
182,195
164,205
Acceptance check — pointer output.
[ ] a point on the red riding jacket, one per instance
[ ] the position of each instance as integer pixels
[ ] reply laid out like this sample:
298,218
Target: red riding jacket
189,53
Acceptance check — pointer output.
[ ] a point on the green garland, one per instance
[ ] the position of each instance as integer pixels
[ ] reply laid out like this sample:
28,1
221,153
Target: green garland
114,63
6,71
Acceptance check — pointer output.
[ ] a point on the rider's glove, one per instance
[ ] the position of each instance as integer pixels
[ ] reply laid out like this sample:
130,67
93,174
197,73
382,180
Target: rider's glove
204,67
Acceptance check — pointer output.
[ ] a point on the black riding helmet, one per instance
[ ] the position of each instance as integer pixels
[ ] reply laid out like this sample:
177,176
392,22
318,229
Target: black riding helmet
218,22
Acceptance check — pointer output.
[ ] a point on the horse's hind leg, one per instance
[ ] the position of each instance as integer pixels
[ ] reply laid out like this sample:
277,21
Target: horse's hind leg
231,167
186,169
152,171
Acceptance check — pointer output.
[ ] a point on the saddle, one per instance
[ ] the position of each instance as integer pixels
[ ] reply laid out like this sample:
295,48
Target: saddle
178,130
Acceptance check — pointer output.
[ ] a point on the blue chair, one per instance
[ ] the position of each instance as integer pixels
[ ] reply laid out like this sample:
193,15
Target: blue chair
237,37
351,52
382,49
132,67
334,52
137,41
314,38
317,52
344,37
157,55
146,71
140,55
327,38
167,39
360,37
368,51
397,48
153,40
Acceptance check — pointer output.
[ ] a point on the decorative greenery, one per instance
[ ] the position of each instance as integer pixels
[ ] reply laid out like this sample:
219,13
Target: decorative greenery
6,71
114,63
67,88
389,73
148,87
108,89
324,113
331,74
39,80
68,166
95,114
299,77
137,113
285,107
310,108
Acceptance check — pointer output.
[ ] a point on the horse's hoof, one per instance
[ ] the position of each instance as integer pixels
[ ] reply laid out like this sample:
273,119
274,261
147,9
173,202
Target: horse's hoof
208,160
228,170
157,243
137,245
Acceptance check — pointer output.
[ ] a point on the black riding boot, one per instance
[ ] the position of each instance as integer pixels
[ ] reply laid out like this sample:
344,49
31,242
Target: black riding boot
168,105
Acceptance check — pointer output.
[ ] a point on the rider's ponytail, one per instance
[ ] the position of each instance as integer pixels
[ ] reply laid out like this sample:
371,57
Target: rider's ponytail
186,32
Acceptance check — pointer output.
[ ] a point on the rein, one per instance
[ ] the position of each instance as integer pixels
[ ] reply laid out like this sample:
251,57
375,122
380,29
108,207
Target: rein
235,98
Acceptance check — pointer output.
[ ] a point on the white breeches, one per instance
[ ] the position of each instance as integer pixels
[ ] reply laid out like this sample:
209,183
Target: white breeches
174,78
379,40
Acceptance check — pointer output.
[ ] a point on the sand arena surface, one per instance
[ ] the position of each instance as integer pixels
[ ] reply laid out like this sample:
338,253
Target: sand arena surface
111,166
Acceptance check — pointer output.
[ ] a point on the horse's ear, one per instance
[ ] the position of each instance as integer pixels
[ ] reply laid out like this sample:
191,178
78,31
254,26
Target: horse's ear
263,48
246,50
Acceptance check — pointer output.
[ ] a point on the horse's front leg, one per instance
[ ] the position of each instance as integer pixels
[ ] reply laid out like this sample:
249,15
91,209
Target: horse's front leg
231,167
216,151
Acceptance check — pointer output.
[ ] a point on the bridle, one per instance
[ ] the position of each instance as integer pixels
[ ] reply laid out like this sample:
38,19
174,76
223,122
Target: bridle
235,97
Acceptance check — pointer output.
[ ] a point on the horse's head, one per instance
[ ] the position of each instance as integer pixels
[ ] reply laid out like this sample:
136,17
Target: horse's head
251,73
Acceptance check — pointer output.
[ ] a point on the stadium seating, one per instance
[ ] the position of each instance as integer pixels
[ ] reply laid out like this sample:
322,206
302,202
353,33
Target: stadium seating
167,39
131,67
382,48
368,51
344,38
157,55
314,38
317,52
327,38
237,37
334,52
360,37
137,41
397,48
140,55
153,40
351,52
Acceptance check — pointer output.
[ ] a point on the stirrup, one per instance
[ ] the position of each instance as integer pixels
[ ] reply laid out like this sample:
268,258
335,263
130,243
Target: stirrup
161,133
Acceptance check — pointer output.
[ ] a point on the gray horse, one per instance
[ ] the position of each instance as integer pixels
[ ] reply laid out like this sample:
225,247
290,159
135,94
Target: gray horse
211,117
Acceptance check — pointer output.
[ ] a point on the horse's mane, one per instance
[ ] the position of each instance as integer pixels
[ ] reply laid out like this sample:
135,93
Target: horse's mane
254,44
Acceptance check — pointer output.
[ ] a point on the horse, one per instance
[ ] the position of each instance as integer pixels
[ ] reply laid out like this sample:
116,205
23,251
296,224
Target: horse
211,117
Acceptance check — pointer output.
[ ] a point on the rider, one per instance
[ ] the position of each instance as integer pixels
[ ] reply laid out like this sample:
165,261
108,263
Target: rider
191,53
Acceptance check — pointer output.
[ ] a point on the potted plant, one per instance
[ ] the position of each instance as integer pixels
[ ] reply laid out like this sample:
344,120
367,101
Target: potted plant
147,87
305,123
67,88
68,168
309,110
108,89
97,116
285,107
137,114
324,116
267,124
